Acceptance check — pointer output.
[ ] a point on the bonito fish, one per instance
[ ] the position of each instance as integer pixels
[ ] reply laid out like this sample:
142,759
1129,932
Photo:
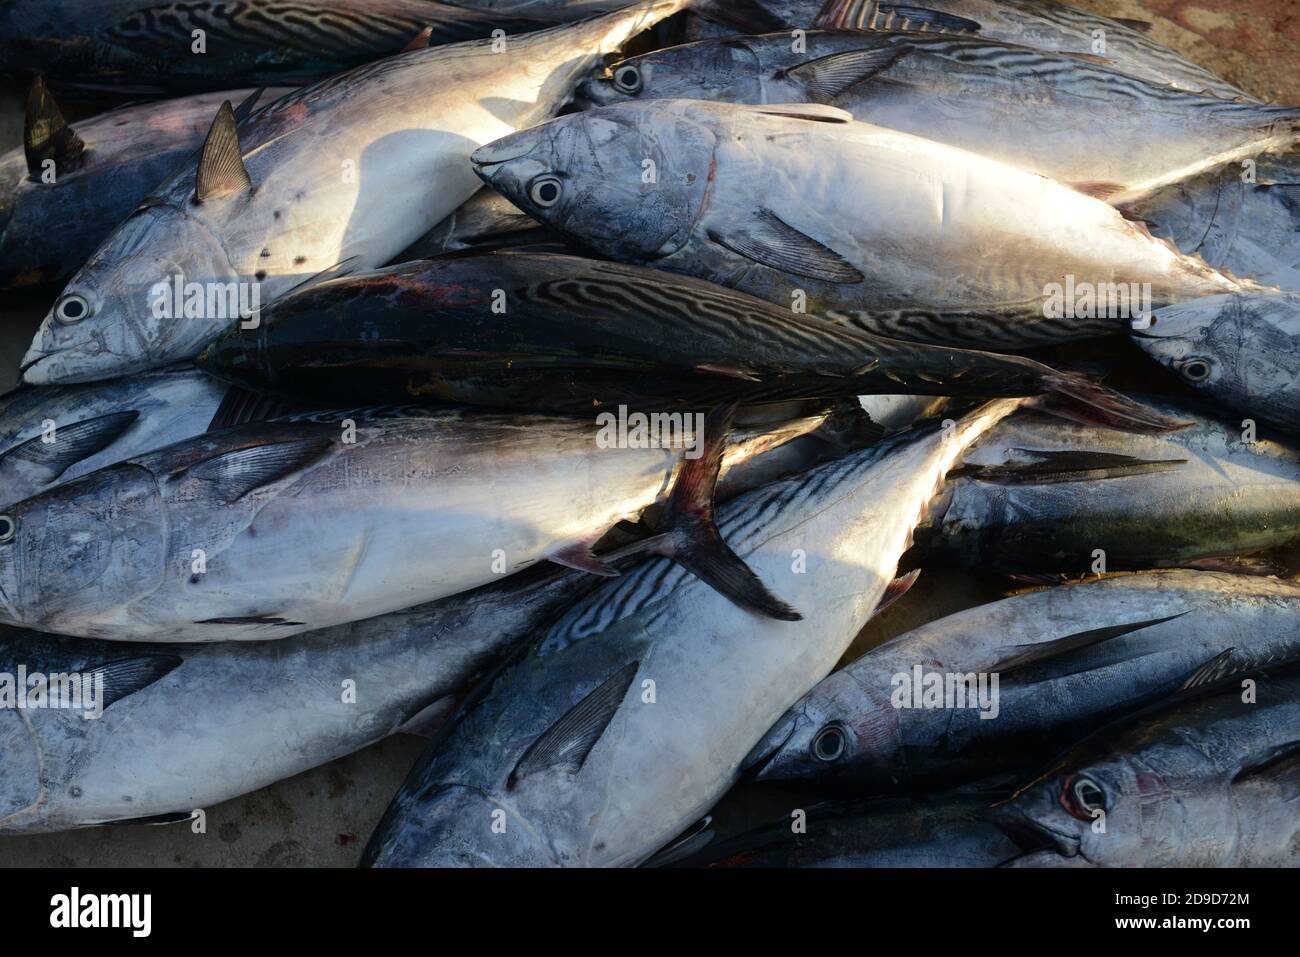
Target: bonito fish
275,528
1040,496
340,175
67,190
64,432
1210,782
1008,685
804,207
1038,24
558,333
1021,106
628,719
159,46
1242,350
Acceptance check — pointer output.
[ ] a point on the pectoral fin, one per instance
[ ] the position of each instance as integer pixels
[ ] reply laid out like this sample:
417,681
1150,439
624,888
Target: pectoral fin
126,676
1049,468
1022,656
70,444
1281,766
767,239
832,76
238,472
567,743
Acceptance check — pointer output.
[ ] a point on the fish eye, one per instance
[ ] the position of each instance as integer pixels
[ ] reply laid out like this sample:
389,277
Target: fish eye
627,79
545,190
1196,370
1083,797
829,743
8,528
71,308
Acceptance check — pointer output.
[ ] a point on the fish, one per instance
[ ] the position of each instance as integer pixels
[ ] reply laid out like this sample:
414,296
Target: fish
627,719
1039,24
1242,218
274,528
186,726
487,220
1037,495
54,435
1241,350
880,230
65,193
1209,781
339,176
558,333
1020,106
948,830
151,48
1067,660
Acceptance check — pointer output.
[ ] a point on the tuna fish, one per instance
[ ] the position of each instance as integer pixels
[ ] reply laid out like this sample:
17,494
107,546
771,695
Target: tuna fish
628,719
804,207
337,176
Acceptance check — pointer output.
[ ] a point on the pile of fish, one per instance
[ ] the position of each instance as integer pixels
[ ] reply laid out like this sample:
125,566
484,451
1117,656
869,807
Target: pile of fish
571,382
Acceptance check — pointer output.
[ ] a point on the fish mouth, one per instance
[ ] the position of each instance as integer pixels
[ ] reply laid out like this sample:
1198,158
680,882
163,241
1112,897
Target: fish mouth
1033,836
758,764
30,365
497,153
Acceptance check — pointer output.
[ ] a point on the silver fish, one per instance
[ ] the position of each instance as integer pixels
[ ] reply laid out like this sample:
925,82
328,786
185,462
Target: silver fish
68,189
806,208
1018,105
1210,782
61,433
1243,218
630,717
1065,660
1040,24
1243,350
340,175
487,220
184,727
1041,496
275,528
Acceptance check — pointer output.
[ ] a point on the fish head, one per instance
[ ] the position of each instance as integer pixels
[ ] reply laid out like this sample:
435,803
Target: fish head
96,543
1085,810
20,785
834,732
629,182
120,312
727,71
450,825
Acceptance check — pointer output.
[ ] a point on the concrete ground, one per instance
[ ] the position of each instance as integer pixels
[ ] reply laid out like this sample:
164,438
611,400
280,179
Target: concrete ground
323,817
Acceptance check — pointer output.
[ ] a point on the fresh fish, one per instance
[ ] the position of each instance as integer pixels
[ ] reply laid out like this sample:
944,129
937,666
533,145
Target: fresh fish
1207,782
565,760
1243,219
275,528
339,176
946,831
1066,660
1039,111
547,332
64,432
149,46
1244,351
487,220
1039,24
882,230
1039,496
63,194
187,726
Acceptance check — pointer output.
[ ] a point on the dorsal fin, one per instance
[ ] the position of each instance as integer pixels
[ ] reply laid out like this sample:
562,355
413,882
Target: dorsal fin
249,103
221,164
420,41
46,135
567,743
